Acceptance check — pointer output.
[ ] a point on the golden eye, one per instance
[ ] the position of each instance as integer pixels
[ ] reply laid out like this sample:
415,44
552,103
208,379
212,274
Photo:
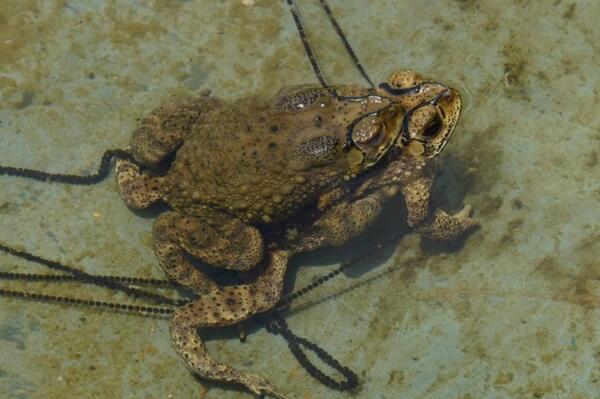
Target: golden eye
367,130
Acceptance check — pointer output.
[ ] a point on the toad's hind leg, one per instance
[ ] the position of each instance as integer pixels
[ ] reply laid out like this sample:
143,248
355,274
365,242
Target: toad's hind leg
228,243
222,307
163,131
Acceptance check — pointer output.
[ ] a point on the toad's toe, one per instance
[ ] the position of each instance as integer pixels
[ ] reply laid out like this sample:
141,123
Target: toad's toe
137,189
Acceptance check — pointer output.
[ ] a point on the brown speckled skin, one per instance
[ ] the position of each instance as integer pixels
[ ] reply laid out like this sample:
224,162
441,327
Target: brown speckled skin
249,158
241,168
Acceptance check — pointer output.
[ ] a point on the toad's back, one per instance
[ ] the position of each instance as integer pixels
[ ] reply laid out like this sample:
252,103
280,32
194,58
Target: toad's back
243,160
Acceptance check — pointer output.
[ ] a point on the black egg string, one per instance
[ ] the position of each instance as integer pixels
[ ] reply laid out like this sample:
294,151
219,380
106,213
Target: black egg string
345,42
274,322
101,174
140,309
32,277
310,54
112,282
126,283
277,325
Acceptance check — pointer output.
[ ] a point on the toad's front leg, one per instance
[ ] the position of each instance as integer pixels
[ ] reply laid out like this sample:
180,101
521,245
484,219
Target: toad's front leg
342,222
223,307
439,225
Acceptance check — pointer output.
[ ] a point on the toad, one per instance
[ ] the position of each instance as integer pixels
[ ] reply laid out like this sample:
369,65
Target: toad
315,164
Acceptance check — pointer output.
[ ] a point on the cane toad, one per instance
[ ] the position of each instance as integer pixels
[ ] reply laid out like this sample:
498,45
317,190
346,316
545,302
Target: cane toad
229,172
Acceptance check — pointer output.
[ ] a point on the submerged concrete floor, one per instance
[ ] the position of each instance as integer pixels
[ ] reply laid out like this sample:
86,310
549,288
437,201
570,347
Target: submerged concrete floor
509,312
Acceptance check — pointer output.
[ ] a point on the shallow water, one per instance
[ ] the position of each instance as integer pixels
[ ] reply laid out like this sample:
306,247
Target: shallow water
510,311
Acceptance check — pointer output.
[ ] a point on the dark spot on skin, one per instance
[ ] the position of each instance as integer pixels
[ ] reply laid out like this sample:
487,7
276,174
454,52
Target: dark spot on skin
272,146
91,75
274,129
230,301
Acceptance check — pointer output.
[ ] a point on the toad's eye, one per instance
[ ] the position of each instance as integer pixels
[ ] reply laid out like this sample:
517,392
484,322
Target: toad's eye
434,127
368,130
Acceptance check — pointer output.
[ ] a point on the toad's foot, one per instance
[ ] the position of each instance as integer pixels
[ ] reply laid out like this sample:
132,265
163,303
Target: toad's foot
222,307
137,189
190,347
442,226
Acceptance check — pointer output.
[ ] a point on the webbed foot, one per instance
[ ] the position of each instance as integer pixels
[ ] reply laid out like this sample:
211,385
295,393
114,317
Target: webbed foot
226,306
137,189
